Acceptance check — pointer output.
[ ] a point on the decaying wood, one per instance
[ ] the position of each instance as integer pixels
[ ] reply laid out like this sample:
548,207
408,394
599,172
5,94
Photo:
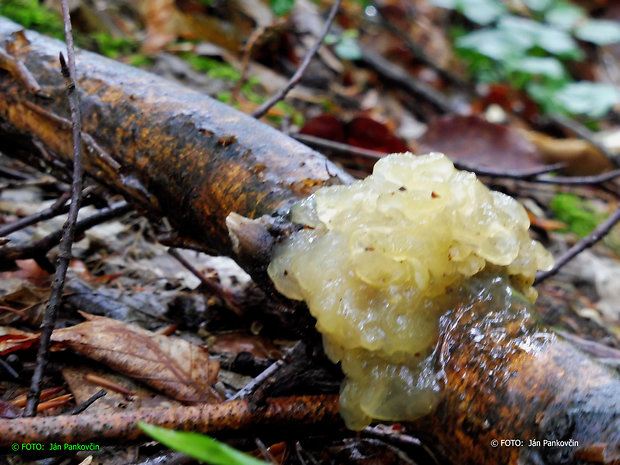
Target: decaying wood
176,152
182,155
507,378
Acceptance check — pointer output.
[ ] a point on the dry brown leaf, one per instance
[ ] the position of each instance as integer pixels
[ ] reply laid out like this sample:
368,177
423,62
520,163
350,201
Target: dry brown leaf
477,143
165,22
236,342
580,157
12,339
21,302
142,398
170,365
29,271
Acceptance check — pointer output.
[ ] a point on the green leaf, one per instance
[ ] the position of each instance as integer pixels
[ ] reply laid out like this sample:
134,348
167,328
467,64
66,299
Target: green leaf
579,215
492,43
281,7
588,98
564,15
541,66
599,32
543,93
520,30
481,11
447,4
199,447
539,5
331,39
532,33
478,11
347,48
559,42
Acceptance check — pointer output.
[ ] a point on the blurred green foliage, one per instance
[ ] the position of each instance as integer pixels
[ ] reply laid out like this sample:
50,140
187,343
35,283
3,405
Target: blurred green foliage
345,44
31,14
213,68
281,7
532,53
578,214
112,47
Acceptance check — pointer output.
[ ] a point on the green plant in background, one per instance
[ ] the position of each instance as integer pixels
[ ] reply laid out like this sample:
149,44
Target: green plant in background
345,44
214,69
578,214
31,14
199,447
531,54
113,47
281,7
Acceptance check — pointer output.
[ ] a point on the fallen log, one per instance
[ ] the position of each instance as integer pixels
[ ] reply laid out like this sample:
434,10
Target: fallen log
179,154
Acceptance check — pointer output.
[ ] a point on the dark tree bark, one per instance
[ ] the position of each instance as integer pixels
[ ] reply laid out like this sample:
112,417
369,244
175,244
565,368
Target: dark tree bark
175,152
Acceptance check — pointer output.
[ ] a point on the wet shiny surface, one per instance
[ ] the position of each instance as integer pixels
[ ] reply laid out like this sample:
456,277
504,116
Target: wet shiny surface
383,260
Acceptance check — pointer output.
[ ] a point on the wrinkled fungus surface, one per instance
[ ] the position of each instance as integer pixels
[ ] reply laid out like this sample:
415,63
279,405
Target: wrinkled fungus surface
381,260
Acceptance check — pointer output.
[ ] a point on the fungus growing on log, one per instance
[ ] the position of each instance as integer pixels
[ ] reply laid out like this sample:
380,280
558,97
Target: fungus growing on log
381,260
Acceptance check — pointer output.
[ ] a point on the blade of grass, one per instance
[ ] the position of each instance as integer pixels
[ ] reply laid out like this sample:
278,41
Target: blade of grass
199,446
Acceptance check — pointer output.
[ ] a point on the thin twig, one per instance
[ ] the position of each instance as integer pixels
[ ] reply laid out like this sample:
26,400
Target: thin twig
19,72
375,155
227,297
594,348
247,54
579,180
43,245
87,403
246,390
383,433
58,208
205,418
266,453
281,94
64,254
526,175
327,144
9,369
599,232
417,52
403,78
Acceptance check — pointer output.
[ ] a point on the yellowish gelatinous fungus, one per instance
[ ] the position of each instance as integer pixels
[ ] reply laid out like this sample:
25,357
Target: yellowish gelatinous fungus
379,261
